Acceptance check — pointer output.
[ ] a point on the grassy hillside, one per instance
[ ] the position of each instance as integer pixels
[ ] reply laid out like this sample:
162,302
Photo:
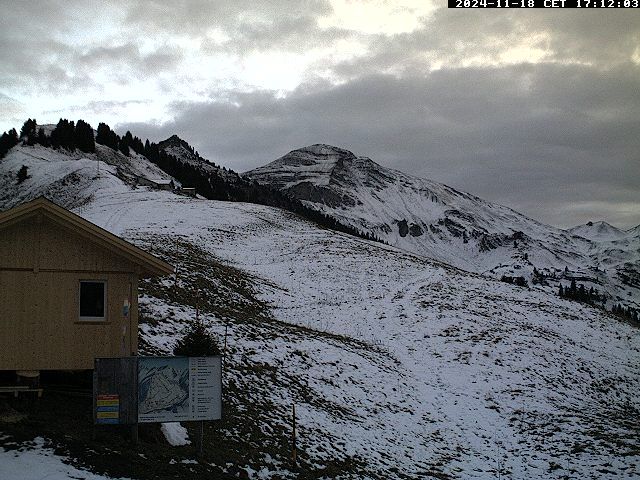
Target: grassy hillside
399,366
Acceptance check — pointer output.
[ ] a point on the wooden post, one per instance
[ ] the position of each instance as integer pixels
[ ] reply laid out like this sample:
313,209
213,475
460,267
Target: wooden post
293,437
224,349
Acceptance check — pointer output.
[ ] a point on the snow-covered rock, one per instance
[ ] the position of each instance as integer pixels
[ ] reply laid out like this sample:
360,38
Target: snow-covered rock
175,434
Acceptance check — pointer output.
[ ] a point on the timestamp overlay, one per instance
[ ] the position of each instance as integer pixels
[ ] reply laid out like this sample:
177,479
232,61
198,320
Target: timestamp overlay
591,4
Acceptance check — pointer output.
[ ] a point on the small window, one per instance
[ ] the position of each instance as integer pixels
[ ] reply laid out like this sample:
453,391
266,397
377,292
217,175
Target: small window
93,300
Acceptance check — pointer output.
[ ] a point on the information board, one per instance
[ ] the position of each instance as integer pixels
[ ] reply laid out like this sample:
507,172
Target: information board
176,389
108,409
115,384
130,390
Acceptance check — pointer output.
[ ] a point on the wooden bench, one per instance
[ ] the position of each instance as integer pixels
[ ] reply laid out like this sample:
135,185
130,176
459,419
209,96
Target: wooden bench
17,389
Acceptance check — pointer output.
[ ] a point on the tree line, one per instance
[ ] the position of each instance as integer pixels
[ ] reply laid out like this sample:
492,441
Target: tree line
66,134
629,313
593,297
581,294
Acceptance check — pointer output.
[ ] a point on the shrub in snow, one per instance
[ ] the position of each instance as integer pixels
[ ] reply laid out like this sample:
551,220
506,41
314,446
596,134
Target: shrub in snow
23,174
197,342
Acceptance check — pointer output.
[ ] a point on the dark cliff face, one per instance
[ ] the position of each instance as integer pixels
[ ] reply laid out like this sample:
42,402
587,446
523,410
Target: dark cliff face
320,194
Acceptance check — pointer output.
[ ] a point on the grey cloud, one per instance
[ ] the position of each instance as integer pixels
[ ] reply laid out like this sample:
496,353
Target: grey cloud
292,33
38,55
97,107
248,25
128,57
101,55
540,139
453,37
195,17
13,112
611,37
36,65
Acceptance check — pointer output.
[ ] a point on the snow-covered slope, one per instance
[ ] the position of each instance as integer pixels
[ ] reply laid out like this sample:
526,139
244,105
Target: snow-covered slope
72,178
432,219
399,366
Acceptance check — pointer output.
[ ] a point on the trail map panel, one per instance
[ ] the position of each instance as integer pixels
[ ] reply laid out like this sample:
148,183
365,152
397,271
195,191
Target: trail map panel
175,389
163,389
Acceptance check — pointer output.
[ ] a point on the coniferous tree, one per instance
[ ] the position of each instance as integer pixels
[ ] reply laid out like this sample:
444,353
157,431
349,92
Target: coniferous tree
137,145
106,136
83,137
8,140
63,136
42,138
28,131
123,146
197,342
582,294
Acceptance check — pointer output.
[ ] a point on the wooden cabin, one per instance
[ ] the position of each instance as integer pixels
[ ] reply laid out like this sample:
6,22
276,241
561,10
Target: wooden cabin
68,290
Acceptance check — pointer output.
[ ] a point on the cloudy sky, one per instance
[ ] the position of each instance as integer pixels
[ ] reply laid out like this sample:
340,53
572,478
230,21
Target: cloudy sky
535,109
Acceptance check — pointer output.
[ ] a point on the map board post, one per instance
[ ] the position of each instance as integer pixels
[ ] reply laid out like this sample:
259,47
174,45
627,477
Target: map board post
115,382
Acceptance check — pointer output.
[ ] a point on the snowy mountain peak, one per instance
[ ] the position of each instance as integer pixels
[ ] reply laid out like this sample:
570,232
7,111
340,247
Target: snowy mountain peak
322,174
315,164
328,150
181,150
598,231
175,142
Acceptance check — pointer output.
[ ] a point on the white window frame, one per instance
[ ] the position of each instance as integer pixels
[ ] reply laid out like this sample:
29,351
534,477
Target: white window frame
106,309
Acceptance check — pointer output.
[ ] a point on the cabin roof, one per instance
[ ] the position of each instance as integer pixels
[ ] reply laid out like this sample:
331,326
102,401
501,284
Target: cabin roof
150,265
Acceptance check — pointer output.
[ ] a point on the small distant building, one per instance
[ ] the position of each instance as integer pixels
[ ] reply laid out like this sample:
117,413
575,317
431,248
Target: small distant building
188,191
68,290
157,184
163,184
